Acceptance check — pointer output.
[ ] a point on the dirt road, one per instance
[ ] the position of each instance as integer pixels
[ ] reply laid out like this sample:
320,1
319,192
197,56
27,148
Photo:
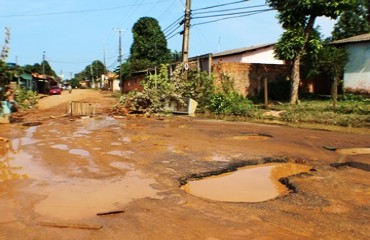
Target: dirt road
109,177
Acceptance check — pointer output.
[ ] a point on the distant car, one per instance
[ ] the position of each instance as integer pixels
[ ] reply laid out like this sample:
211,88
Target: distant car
55,90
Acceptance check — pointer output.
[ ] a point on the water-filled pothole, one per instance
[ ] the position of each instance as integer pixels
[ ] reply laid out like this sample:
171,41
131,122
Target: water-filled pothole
31,124
256,183
353,151
259,136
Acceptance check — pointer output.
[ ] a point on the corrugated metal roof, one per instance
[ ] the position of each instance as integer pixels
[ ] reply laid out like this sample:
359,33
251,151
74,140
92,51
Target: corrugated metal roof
241,50
359,38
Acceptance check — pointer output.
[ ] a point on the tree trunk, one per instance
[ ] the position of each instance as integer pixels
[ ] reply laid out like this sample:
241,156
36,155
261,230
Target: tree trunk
335,91
295,74
295,78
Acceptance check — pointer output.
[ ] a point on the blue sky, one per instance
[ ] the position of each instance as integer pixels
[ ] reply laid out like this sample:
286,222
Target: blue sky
74,33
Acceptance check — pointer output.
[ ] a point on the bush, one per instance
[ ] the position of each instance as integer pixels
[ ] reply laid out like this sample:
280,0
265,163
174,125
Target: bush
26,99
232,104
227,101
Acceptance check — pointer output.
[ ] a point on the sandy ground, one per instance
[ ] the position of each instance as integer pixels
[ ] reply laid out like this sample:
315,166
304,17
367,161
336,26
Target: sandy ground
61,175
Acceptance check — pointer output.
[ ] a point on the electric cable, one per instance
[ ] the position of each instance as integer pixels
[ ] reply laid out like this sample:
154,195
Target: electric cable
220,5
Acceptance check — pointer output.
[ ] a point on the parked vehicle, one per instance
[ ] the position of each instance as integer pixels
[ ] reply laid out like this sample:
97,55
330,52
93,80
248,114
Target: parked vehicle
55,90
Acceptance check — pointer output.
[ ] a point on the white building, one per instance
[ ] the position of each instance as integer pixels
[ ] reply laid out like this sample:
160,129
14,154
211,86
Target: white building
357,70
255,54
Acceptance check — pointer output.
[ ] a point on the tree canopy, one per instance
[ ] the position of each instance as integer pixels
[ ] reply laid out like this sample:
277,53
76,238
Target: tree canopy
92,71
149,47
353,21
298,18
38,68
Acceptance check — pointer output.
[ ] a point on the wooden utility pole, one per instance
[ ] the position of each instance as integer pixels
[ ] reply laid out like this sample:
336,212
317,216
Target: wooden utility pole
185,42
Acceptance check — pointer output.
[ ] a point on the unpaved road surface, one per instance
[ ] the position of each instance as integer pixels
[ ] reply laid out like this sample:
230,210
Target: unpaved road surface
109,177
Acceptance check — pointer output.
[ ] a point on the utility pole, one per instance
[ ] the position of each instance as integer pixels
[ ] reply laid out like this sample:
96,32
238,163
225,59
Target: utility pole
43,64
185,41
120,57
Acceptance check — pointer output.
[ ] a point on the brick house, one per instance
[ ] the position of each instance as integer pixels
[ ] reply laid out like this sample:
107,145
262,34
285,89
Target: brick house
248,67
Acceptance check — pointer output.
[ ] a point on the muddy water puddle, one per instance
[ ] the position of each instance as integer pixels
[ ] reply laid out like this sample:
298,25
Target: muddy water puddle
261,137
68,196
83,198
248,184
353,151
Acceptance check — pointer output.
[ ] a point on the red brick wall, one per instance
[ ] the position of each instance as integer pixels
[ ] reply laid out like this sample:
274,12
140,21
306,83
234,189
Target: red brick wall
133,83
248,77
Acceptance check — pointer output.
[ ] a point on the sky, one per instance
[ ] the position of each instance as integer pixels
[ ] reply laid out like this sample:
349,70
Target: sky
71,34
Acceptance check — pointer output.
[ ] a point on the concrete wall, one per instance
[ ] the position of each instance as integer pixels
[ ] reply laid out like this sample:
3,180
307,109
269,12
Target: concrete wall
357,70
248,77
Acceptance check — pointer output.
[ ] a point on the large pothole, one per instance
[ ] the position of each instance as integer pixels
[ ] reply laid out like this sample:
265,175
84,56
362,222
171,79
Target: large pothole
255,183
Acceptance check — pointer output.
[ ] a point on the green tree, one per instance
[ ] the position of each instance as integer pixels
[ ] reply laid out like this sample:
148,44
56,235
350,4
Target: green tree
4,74
39,68
149,47
298,18
92,71
74,83
332,61
354,21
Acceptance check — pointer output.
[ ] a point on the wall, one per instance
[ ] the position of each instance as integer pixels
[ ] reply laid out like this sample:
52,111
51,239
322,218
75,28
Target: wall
132,83
262,55
249,77
357,70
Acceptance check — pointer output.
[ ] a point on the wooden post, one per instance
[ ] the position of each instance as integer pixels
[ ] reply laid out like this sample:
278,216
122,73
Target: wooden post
266,94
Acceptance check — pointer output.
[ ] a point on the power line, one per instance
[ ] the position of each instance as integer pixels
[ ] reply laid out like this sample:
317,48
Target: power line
231,9
226,18
81,11
177,21
220,5
229,14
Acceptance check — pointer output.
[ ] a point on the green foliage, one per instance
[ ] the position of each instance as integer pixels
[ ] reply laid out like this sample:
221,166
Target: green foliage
159,89
92,71
298,18
199,86
149,44
353,21
227,101
351,113
74,83
39,68
4,74
26,99
352,97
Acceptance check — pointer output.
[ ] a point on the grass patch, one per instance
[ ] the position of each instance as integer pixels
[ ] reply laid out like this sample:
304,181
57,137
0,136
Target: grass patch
348,113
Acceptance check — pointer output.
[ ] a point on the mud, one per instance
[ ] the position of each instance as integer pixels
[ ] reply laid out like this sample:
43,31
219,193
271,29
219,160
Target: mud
58,175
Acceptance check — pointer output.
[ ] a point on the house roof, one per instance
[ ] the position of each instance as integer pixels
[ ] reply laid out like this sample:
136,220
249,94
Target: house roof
242,50
356,39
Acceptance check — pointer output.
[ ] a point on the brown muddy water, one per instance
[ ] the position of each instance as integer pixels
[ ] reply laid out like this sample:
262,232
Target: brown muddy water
353,151
255,183
71,195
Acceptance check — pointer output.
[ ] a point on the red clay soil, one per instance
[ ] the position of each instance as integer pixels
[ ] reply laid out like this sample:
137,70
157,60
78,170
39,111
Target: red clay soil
114,177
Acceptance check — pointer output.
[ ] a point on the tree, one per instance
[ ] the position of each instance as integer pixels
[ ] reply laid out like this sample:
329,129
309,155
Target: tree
149,47
329,62
40,68
354,21
4,74
298,18
92,71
